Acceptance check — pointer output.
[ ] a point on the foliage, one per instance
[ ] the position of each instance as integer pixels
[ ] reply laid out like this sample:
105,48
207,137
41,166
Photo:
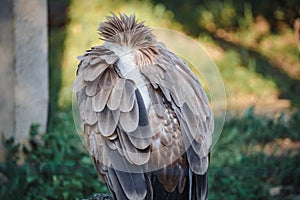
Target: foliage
234,70
61,169
240,170
197,16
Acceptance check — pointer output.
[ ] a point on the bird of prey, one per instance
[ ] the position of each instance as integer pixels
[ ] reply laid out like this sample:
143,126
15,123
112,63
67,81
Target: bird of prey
146,119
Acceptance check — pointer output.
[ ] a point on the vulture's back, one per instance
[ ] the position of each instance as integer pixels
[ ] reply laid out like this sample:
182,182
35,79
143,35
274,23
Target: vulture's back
147,122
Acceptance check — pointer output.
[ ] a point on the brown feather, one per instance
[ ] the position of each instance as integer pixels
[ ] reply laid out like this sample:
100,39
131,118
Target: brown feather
107,121
133,154
92,87
129,120
106,79
92,72
128,97
79,83
90,115
141,138
114,100
100,99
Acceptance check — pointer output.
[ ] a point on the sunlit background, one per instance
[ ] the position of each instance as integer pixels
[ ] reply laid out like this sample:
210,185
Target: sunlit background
254,46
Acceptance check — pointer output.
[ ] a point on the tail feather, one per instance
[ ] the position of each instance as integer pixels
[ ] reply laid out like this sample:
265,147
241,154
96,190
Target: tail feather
159,191
201,186
198,189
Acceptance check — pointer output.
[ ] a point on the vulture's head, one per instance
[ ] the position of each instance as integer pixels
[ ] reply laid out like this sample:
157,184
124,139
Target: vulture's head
127,35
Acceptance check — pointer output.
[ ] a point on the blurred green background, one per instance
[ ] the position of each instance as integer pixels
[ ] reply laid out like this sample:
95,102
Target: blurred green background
254,47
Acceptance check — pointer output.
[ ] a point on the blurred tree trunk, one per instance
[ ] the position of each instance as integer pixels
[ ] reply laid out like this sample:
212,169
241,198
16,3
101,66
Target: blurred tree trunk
24,68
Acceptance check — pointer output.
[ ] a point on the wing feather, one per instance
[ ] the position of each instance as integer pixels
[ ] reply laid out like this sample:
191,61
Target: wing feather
79,83
92,87
128,185
134,155
128,96
115,97
100,99
92,72
107,121
81,101
140,137
129,120
106,79
90,114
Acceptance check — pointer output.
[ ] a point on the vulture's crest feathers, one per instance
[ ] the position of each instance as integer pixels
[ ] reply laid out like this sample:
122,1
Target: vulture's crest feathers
125,30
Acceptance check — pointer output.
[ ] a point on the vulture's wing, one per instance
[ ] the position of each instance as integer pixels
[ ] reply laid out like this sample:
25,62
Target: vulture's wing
144,150
112,112
183,92
189,101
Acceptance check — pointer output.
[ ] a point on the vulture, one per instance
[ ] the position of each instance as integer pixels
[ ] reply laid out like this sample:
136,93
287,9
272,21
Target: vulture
146,119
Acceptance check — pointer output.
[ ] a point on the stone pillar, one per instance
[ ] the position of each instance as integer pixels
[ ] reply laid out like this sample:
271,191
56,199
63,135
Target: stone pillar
24,67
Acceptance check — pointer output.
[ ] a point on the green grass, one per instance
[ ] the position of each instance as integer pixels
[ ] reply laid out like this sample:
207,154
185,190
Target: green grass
62,169
239,170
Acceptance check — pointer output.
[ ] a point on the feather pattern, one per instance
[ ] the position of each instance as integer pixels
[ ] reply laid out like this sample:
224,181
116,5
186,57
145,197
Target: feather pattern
142,108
